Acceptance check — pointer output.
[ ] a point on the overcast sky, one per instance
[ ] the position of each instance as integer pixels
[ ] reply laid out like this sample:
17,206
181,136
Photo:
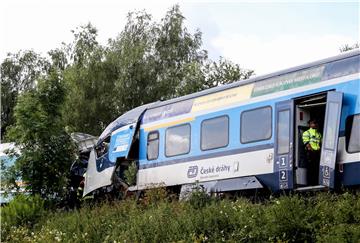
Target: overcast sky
264,36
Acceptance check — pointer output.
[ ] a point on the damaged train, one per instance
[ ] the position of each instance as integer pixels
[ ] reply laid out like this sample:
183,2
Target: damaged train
242,136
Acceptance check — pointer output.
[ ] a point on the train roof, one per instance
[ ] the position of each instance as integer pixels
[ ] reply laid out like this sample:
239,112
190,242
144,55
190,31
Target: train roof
129,117
134,114
259,78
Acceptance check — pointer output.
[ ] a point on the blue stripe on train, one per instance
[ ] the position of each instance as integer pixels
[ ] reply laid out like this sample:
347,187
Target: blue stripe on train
207,156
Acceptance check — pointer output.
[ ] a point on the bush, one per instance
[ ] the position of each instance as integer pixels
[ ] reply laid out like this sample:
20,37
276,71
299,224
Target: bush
23,210
198,197
322,218
290,219
130,174
155,194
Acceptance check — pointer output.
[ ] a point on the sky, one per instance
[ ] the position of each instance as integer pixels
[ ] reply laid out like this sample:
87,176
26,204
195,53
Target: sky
265,36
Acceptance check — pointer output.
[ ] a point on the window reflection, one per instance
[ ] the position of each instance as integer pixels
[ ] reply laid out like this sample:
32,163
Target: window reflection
331,125
256,125
177,140
283,133
215,133
354,142
153,145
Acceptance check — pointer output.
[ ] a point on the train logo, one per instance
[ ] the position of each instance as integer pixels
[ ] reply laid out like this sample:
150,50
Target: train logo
192,171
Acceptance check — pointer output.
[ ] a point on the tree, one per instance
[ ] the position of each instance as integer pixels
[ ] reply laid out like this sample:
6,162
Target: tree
83,86
347,47
132,56
214,74
146,62
18,74
47,150
159,61
89,84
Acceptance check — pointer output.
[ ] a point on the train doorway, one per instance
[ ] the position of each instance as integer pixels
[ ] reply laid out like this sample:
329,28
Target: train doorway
307,163
326,109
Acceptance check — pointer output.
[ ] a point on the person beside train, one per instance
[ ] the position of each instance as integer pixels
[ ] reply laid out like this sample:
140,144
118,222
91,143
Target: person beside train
312,141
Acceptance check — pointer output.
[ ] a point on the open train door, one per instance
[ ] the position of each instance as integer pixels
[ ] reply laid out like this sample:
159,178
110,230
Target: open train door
284,140
330,139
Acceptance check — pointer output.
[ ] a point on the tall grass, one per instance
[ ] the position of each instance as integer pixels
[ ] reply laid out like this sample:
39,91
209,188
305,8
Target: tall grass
322,218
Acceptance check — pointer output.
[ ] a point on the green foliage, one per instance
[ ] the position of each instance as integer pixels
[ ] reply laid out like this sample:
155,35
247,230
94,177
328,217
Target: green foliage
347,47
155,194
321,218
83,86
18,74
289,220
46,149
130,174
159,61
148,61
89,84
23,210
198,197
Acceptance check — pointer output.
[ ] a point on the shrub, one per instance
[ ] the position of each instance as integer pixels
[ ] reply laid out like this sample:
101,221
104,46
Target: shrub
324,218
198,197
289,219
23,210
130,174
155,194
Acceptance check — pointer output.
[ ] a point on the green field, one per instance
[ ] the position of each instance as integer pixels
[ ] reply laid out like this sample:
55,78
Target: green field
324,217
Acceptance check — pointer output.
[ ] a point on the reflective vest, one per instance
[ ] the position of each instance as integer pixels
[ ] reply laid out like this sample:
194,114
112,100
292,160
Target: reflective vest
80,192
313,137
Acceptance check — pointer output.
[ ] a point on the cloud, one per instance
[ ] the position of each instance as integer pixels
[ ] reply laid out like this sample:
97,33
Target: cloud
281,52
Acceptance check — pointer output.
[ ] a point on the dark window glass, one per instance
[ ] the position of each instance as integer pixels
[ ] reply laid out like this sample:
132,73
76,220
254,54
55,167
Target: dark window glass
283,132
215,133
353,136
103,148
342,67
153,145
177,140
331,126
256,125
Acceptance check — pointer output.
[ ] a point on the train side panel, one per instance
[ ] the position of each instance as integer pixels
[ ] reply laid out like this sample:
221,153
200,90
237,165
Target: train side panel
237,159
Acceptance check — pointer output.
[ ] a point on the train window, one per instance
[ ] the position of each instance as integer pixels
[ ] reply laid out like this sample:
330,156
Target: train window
215,133
283,132
102,148
177,140
353,133
153,145
342,67
256,125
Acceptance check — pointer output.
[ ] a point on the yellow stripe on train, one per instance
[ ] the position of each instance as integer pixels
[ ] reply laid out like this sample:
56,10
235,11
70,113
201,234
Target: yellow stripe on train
169,124
222,98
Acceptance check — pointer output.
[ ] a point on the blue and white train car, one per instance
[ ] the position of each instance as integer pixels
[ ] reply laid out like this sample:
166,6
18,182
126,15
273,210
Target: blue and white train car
245,135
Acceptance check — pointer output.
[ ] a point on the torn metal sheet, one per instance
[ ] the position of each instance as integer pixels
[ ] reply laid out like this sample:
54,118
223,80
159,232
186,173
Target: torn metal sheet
95,179
115,142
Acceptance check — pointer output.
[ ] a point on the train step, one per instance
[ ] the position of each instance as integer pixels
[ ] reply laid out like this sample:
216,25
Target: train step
311,188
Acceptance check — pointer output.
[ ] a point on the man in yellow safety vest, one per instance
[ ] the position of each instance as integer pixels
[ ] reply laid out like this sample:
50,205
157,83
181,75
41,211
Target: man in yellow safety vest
312,141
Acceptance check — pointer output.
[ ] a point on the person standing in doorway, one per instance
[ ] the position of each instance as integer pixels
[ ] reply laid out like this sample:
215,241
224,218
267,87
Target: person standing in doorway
312,142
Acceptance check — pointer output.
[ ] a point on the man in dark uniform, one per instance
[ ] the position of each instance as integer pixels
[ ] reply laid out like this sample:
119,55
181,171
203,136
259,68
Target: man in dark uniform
312,141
